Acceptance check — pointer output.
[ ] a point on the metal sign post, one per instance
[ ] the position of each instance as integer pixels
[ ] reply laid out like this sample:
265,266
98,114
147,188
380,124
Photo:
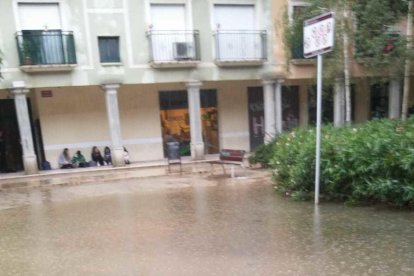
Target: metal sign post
318,39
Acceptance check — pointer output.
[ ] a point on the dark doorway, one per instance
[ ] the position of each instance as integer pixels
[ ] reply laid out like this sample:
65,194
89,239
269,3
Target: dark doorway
290,107
327,105
379,100
11,150
256,116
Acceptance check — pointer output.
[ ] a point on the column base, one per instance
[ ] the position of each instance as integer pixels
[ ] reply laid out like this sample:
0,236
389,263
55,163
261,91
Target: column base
269,137
118,157
30,164
197,151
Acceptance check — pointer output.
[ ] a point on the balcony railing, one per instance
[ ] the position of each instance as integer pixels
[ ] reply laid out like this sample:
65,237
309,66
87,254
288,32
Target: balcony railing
241,46
297,52
175,48
297,55
52,47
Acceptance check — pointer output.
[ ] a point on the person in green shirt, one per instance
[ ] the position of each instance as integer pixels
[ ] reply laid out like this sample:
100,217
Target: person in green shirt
79,160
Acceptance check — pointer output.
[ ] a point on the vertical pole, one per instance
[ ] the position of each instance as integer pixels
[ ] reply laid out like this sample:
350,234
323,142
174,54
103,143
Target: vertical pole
26,136
318,129
114,123
269,110
278,105
196,129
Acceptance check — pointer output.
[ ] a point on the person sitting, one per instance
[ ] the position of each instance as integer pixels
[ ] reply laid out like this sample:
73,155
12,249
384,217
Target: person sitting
107,156
79,160
96,156
65,160
126,156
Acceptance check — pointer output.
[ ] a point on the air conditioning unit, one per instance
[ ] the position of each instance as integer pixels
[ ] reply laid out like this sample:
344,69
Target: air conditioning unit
183,50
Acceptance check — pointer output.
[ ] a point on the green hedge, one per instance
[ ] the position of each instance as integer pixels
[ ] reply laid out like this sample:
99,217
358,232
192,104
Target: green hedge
371,163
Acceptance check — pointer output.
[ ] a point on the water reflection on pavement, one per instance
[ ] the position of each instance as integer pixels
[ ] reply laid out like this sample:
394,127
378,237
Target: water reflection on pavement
195,225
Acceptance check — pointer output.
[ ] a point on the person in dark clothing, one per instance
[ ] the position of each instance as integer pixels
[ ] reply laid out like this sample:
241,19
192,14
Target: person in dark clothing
107,156
96,156
2,153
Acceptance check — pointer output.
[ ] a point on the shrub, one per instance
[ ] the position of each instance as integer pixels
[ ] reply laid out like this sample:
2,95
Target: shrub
263,154
373,162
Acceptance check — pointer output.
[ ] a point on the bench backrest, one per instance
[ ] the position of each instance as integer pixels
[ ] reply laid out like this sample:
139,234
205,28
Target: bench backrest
232,155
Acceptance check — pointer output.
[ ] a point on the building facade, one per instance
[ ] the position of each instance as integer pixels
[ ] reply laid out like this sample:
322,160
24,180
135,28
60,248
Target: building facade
210,74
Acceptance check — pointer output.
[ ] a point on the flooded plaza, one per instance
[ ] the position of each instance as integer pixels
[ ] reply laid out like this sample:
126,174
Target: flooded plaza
195,224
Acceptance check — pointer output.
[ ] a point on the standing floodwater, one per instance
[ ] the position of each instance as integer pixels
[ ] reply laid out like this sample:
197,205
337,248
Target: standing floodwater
188,225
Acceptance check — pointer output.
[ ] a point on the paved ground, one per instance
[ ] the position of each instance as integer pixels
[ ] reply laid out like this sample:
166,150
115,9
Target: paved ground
119,222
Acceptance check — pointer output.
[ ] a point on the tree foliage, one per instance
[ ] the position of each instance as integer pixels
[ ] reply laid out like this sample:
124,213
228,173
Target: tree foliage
371,29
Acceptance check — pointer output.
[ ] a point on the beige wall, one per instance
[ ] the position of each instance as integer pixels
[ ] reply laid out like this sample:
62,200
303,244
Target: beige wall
75,117
233,114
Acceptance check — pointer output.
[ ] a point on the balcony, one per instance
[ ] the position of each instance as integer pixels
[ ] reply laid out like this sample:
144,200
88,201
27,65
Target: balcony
41,51
240,48
172,49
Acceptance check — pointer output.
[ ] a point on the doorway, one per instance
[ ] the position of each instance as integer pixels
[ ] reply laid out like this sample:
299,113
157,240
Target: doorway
256,116
175,120
290,107
379,101
11,159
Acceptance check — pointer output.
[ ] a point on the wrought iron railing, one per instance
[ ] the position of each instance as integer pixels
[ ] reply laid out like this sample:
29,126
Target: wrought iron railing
51,47
241,45
297,51
171,46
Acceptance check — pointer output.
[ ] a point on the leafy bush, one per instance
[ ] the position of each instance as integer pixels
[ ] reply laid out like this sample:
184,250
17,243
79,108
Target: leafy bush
373,162
263,154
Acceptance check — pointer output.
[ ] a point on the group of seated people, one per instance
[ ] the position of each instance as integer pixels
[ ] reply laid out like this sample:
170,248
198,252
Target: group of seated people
97,159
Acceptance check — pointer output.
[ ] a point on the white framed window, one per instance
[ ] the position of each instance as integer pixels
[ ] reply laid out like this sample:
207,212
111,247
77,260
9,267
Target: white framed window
234,17
39,16
168,17
296,7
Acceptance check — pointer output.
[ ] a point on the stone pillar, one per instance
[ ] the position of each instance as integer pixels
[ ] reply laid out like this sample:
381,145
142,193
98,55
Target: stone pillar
194,108
394,107
339,103
278,106
303,106
112,112
26,137
269,110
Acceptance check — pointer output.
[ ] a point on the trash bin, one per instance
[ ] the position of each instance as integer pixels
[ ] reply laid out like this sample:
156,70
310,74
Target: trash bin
173,151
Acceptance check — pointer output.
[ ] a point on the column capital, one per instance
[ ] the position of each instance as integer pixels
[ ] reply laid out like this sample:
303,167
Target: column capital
110,86
280,81
19,90
268,82
194,84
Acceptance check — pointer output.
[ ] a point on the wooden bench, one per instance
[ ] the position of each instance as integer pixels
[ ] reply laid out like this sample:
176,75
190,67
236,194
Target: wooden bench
232,157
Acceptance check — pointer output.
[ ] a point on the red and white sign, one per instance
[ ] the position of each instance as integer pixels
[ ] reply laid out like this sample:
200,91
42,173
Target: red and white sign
318,35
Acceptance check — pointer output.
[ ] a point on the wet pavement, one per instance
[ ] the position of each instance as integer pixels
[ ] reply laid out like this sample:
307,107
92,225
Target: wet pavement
194,224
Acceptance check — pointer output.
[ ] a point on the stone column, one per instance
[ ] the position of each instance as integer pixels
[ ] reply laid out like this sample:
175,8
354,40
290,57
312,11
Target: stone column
278,106
339,103
394,107
303,106
112,111
194,109
269,110
26,137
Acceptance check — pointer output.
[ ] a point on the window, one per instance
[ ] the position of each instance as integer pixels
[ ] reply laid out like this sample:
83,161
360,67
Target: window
109,49
296,8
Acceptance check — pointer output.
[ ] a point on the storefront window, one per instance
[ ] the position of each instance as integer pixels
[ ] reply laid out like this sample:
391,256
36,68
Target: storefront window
175,120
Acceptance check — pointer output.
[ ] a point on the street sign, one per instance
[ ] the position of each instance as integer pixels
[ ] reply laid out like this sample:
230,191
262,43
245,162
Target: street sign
318,39
318,35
